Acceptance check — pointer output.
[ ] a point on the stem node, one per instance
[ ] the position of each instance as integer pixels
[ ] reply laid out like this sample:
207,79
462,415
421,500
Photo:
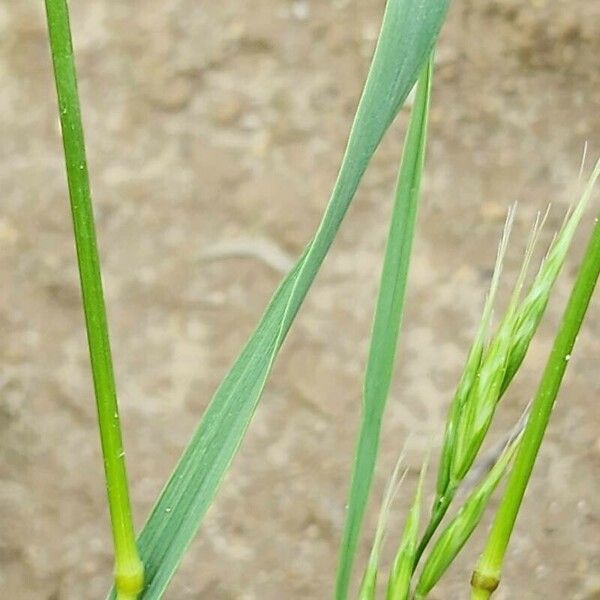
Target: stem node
484,584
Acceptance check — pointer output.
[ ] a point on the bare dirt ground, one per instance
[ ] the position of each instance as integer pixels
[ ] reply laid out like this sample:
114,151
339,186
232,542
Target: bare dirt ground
215,130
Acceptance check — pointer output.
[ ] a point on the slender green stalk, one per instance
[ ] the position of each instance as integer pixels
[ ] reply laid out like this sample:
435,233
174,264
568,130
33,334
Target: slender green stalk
438,514
128,567
487,573
368,587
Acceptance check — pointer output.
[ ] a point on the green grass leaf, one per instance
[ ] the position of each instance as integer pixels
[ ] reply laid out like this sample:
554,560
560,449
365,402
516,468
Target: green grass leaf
408,34
386,326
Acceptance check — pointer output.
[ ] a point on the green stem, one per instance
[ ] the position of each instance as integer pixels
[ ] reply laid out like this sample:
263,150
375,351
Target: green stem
437,515
487,573
128,567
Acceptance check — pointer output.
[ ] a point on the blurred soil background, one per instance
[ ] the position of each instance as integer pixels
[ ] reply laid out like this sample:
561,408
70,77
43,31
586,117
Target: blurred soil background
214,132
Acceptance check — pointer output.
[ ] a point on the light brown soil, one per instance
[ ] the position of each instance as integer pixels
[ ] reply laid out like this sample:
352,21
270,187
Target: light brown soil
220,124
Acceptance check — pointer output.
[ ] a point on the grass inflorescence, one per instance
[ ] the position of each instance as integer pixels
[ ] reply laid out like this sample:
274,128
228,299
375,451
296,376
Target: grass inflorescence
491,365
486,576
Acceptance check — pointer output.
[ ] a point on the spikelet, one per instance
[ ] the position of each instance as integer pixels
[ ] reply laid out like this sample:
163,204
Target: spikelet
461,527
471,367
402,569
532,308
507,348
485,392
368,586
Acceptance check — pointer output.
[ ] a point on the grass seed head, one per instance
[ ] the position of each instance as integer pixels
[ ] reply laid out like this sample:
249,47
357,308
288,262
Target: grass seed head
471,418
472,367
481,403
368,585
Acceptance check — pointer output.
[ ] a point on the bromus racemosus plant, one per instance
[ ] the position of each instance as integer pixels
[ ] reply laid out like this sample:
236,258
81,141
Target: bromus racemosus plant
144,567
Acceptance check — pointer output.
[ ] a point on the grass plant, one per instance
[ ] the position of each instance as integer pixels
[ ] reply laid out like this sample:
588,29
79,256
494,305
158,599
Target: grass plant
144,568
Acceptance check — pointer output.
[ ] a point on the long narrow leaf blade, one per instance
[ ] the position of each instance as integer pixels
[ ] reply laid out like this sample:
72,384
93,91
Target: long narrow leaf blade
386,326
408,34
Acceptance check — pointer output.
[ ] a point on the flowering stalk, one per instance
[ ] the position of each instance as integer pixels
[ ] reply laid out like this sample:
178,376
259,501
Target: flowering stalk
128,567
